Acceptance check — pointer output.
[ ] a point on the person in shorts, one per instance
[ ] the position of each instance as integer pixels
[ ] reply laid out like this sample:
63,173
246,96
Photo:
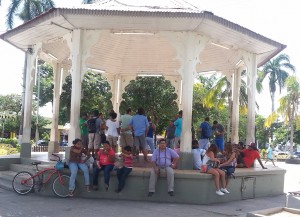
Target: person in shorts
126,138
140,125
113,130
270,155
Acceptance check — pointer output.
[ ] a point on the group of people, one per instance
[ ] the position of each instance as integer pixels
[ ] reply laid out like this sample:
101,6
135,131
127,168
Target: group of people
105,161
133,131
220,160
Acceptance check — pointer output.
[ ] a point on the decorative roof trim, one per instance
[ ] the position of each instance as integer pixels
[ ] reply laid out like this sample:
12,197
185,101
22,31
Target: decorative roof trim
54,12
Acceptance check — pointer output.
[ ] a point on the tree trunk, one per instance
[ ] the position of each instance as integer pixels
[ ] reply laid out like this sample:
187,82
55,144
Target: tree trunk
273,109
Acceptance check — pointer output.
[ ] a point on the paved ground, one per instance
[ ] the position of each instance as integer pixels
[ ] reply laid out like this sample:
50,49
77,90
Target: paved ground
33,205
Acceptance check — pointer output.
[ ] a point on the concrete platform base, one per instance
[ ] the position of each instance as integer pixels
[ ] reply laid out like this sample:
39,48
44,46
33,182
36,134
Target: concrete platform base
191,187
277,211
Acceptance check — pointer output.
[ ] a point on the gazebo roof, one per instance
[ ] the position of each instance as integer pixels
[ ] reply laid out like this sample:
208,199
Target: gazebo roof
128,53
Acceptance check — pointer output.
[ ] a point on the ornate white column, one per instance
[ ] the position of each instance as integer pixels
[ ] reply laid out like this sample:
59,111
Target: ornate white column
251,63
53,146
235,106
188,46
76,54
30,76
177,84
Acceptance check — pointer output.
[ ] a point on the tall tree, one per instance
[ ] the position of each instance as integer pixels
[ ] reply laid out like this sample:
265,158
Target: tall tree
156,95
277,72
288,107
26,10
95,95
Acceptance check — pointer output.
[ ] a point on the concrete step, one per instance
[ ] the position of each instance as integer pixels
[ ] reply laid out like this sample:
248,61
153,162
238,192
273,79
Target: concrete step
6,178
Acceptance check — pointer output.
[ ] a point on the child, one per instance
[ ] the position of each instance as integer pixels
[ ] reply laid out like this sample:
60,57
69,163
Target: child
113,131
270,155
124,171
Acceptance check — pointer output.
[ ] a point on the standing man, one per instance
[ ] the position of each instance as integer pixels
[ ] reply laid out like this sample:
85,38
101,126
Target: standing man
178,125
170,134
140,125
163,159
84,130
218,130
126,138
205,134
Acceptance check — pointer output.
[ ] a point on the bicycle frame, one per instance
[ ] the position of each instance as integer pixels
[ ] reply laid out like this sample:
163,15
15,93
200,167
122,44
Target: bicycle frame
53,171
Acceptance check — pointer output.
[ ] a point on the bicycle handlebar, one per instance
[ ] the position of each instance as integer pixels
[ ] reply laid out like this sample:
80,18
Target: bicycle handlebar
56,156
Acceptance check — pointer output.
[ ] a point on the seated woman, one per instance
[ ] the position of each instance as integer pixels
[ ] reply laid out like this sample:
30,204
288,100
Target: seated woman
208,166
230,162
76,162
105,160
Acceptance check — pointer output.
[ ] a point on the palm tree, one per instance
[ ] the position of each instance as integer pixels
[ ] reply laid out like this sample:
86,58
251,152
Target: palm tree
288,107
26,10
275,69
220,95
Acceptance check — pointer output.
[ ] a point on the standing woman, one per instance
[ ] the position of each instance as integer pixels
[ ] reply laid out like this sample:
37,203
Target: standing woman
76,162
207,167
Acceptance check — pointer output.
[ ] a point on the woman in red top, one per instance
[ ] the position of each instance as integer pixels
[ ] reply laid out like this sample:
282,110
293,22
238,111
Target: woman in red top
105,160
126,169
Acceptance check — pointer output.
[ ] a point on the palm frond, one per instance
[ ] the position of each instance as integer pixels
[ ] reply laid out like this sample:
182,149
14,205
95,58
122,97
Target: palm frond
12,10
271,119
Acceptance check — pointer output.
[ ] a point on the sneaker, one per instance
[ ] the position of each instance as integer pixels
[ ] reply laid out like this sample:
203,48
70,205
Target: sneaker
220,193
71,193
224,190
150,194
171,193
106,187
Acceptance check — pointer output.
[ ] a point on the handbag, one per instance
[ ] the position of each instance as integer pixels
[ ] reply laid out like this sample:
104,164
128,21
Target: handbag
213,164
59,165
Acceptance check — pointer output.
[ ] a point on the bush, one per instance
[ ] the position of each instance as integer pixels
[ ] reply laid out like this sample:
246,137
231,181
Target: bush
7,149
12,142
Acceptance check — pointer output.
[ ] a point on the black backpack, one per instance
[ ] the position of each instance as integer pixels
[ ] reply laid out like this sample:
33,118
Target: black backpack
92,125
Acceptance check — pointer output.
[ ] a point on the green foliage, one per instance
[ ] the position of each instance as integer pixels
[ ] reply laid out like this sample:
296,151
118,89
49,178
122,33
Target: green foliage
12,142
26,10
10,105
46,84
95,95
156,95
6,149
262,132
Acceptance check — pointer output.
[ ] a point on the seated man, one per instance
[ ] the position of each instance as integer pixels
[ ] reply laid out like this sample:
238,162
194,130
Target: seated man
198,154
247,157
163,159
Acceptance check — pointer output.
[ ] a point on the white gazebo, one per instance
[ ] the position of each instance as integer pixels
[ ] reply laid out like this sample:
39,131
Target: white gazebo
122,41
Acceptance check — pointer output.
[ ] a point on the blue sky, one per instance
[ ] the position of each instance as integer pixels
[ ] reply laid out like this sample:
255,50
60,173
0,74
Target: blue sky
275,19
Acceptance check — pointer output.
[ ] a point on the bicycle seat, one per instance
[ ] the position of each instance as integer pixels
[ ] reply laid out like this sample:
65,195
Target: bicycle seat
36,163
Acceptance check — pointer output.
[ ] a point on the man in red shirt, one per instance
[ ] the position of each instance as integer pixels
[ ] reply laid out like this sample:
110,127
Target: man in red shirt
248,156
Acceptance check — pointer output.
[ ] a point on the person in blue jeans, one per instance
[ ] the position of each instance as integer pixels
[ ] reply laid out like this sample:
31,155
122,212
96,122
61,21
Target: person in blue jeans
149,138
124,171
105,161
76,162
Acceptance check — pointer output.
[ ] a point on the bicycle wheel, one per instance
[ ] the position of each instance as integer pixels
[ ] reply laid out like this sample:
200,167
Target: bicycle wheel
61,188
23,183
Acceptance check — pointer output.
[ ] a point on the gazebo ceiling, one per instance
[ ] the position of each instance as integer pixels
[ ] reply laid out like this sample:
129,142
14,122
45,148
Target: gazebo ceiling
132,54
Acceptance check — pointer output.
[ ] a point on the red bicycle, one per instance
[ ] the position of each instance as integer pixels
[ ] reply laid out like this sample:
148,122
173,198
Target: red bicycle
24,182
